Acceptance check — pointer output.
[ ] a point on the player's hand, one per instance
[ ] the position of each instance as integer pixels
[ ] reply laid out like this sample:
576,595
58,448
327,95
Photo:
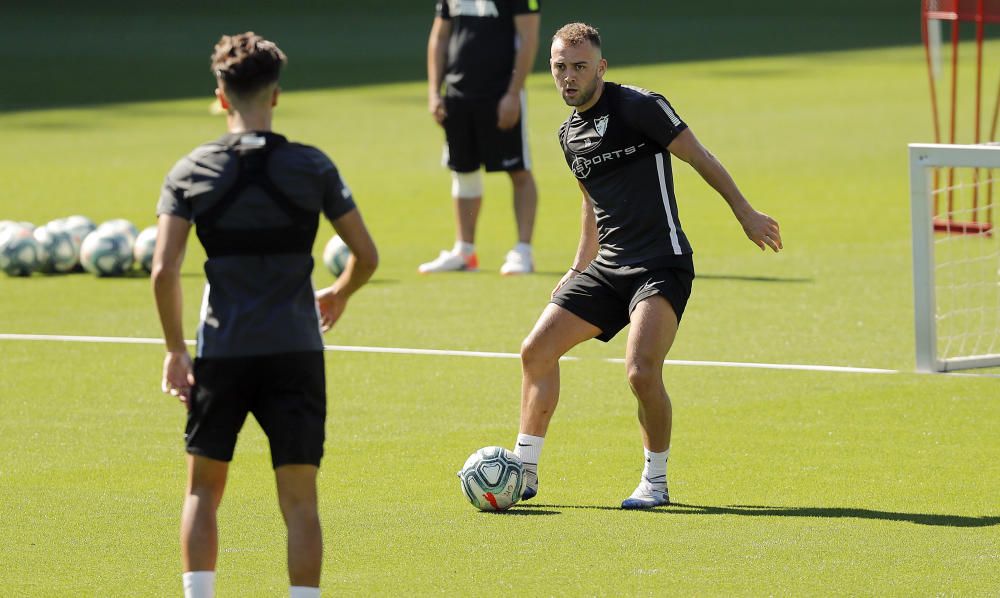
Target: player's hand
566,278
178,376
762,230
436,106
331,307
508,111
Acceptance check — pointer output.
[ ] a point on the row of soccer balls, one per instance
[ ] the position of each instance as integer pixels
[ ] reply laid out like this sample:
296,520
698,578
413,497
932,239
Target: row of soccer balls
111,249
67,244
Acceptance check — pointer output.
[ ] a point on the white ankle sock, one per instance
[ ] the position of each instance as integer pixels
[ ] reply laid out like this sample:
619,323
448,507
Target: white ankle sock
529,449
463,248
199,584
303,592
523,248
655,469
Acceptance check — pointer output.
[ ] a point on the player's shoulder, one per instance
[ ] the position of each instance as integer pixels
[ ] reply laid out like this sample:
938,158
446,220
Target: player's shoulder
306,156
633,95
206,155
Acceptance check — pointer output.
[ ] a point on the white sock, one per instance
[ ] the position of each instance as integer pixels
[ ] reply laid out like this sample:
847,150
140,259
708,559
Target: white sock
655,469
463,248
303,592
529,449
523,248
199,584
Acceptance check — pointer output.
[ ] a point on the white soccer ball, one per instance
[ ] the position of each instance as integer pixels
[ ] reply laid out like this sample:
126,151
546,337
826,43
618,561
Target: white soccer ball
120,225
57,251
19,252
492,479
142,251
106,253
335,255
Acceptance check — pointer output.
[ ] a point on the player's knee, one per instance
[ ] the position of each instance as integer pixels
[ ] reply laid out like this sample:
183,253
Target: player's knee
644,379
467,185
533,354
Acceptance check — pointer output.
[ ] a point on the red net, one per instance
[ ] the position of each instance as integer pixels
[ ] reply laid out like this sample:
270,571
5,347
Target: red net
963,10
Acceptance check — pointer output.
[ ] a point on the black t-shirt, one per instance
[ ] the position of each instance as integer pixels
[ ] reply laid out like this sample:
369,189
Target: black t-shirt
617,149
482,45
256,304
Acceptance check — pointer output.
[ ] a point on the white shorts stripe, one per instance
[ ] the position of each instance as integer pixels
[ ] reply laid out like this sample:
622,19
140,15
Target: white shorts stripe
674,242
525,150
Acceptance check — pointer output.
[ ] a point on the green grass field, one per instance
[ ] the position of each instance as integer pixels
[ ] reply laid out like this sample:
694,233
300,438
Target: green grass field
786,482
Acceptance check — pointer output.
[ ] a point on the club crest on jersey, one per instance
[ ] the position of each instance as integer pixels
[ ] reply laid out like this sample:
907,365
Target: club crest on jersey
601,125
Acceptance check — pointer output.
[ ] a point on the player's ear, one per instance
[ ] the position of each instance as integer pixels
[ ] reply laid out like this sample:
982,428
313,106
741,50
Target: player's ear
602,67
223,100
274,96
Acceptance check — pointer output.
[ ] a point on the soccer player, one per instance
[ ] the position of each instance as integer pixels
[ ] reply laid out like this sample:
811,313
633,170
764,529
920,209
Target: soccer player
255,199
633,264
482,51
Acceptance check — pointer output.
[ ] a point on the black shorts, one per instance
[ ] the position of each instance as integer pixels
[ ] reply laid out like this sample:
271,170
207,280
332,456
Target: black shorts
286,394
606,295
473,139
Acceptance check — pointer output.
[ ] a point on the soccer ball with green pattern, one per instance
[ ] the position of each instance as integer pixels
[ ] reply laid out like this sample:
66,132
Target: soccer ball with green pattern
492,479
335,255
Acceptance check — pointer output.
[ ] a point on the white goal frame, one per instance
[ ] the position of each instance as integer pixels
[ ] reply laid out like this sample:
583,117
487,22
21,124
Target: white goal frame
923,159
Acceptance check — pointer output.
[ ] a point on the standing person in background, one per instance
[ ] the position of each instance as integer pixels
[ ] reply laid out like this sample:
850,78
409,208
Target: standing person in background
255,199
633,264
482,52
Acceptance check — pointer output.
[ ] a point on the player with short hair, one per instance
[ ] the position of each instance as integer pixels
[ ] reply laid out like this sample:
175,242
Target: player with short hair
633,264
482,51
255,199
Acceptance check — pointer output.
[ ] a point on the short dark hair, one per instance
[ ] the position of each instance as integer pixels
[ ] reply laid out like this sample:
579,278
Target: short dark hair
576,33
246,62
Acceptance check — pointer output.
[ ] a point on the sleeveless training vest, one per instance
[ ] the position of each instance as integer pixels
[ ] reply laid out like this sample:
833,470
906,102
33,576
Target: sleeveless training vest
297,237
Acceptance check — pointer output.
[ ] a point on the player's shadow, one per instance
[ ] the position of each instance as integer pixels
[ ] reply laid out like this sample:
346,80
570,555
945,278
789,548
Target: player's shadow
517,512
820,512
745,278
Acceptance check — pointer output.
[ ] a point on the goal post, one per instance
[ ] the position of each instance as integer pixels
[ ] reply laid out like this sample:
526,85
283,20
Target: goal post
956,271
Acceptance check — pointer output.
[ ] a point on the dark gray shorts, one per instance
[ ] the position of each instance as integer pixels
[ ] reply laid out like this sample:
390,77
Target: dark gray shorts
286,394
474,140
606,295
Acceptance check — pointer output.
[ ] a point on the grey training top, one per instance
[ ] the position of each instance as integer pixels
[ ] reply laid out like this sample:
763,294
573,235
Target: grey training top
256,304
617,149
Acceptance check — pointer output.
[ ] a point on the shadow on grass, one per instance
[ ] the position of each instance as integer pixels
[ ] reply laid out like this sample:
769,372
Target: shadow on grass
819,512
521,512
731,277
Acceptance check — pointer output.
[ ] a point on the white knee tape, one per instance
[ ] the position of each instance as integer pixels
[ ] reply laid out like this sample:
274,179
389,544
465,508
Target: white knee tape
467,185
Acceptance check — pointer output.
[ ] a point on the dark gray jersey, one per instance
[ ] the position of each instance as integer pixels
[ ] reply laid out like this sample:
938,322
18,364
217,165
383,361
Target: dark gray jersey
617,149
256,304
482,45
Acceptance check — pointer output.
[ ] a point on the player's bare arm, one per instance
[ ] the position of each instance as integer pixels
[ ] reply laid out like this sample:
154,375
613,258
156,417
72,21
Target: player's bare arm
168,257
509,108
588,247
437,57
359,268
759,227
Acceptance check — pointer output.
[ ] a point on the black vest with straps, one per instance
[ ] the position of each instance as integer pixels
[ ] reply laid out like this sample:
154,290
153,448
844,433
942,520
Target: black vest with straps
296,237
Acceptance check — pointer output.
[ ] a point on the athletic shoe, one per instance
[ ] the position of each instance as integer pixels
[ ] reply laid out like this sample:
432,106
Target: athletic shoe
647,497
530,485
517,262
450,262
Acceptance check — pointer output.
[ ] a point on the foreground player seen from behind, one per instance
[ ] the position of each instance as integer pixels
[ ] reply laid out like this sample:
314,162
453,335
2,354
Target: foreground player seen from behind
255,199
633,264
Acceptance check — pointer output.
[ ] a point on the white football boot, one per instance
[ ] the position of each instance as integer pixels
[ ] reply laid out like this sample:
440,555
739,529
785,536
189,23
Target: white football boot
518,261
647,495
450,261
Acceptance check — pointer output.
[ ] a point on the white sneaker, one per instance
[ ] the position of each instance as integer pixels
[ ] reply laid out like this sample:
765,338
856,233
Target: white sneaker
517,262
647,495
450,262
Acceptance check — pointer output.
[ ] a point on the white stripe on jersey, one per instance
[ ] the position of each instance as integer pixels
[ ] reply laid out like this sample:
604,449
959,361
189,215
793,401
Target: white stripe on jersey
670,113
674,242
